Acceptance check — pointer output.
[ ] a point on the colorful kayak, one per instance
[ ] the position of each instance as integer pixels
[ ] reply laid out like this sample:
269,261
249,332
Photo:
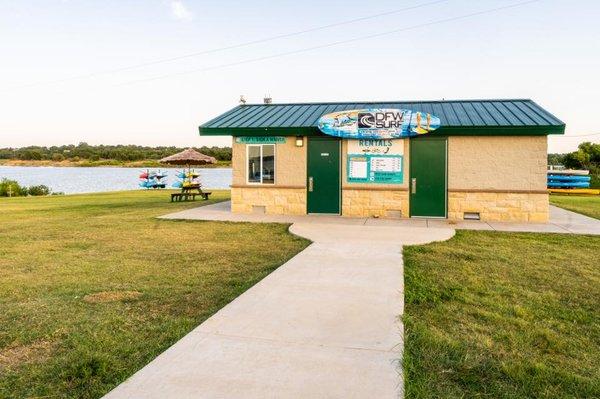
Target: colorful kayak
569,172
152,184
568,178
574,184
575,191
187,175
153,175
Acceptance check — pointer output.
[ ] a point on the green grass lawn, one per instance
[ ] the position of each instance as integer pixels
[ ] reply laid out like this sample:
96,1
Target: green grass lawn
93,287
586,205
503,315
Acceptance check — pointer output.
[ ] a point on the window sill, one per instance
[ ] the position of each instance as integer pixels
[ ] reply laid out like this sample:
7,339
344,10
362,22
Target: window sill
263,185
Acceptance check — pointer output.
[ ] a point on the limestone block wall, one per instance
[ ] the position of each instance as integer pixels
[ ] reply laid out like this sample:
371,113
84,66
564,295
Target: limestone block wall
499,207
286,196
290,164
514,163
503,178
378,203
278,201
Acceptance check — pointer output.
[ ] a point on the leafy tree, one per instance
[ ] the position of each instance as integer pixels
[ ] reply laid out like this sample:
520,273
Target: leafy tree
10,188
555,159
576,160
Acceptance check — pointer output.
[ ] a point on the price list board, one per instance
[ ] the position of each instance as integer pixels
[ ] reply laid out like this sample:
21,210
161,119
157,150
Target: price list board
371,168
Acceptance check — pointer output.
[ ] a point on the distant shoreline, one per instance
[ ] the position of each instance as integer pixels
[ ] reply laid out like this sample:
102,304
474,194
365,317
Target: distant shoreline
103,163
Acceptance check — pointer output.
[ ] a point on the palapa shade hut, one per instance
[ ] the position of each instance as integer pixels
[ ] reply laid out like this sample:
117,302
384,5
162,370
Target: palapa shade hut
188,158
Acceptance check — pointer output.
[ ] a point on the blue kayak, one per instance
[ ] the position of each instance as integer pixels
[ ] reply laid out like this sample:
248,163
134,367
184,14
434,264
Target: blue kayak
569,178
573,184
152,184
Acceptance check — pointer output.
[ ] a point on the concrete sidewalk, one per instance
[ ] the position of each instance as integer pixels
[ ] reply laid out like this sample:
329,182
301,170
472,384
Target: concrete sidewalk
323,325
561,220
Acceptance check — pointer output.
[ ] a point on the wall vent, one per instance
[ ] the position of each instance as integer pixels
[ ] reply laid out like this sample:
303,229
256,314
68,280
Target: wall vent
471,216
393,214
259,209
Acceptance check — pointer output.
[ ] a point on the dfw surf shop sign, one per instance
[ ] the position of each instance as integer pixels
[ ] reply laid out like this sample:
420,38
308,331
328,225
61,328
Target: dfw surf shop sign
378,123
377,161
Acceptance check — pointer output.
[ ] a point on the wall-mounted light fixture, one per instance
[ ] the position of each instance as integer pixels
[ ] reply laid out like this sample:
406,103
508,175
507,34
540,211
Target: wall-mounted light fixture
299,141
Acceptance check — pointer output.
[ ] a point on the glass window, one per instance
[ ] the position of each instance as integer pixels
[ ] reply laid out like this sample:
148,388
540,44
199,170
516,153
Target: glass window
268,166
253,164
261,164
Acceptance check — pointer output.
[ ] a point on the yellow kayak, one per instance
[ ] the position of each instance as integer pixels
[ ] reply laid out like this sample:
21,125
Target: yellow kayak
575,191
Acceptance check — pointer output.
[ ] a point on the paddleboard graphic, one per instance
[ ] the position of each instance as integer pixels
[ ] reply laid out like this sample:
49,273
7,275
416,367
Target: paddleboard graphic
378,123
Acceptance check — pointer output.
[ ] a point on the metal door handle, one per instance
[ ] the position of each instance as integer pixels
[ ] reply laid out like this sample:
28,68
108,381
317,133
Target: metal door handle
413,185
310,184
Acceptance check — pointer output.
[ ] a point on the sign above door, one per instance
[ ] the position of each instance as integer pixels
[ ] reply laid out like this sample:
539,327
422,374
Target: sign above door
378,123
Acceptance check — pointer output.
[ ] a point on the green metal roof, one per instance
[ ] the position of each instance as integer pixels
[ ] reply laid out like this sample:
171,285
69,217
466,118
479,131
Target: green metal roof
458,117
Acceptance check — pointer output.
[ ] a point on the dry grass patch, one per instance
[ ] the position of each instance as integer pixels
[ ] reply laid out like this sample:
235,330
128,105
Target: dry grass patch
14,356
111,296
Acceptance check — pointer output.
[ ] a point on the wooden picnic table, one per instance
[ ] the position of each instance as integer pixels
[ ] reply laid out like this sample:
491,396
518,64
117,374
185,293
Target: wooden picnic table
190,192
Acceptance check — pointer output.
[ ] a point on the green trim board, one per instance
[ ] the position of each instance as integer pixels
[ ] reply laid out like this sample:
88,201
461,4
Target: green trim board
518,117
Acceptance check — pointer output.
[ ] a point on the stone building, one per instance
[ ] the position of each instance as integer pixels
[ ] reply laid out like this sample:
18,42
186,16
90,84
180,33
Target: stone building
477,159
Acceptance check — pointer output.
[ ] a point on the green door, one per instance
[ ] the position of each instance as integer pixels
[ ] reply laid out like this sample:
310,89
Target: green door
323,175
427,183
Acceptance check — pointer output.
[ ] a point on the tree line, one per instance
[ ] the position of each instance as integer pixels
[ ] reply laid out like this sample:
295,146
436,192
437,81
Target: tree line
84,151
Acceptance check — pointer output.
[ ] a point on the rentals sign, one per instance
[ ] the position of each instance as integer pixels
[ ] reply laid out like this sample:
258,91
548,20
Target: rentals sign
378,161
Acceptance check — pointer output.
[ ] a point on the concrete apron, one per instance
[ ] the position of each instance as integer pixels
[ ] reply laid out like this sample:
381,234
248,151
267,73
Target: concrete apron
326,324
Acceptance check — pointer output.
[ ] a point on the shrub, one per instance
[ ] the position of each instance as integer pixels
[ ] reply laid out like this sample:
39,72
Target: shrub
10,188
38,190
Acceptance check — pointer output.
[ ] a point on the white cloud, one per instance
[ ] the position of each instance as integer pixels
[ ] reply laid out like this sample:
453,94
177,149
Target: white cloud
180,11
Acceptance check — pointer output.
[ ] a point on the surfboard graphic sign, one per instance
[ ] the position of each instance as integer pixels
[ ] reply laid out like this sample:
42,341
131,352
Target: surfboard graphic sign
378,123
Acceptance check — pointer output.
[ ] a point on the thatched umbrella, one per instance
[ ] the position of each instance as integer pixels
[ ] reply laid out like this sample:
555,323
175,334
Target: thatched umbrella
187,158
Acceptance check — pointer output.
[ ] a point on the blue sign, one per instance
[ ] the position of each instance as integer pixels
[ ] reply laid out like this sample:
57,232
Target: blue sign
378,123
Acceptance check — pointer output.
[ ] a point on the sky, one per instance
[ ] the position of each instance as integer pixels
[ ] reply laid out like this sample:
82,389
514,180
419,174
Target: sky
149,72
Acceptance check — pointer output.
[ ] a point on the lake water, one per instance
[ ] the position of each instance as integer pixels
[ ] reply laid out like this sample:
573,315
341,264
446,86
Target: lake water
72,180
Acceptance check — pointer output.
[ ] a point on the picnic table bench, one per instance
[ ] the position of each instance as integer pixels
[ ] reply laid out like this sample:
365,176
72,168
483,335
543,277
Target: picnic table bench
190,192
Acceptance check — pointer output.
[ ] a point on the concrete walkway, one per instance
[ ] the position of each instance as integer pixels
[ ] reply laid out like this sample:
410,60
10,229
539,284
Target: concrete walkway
561,220
323,325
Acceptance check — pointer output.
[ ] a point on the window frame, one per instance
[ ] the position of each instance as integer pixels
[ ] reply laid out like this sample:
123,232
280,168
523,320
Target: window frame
261,182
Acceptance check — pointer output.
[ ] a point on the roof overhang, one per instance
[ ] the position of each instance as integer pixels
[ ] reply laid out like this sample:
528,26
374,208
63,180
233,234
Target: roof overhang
442,131
458,118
